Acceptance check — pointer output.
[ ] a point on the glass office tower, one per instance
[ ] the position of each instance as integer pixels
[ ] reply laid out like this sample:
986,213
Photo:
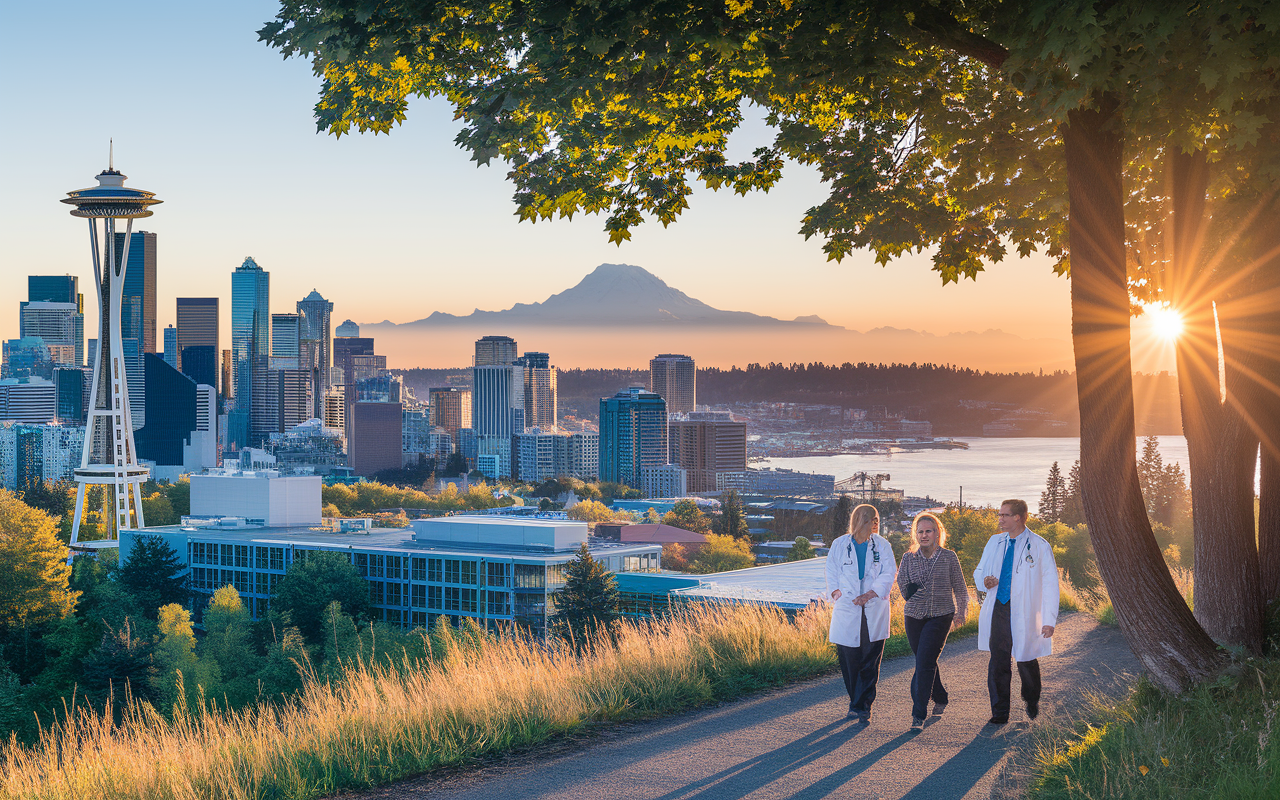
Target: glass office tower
633,434
250,342
197,327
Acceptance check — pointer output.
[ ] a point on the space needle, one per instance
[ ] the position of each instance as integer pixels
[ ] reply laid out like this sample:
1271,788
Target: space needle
110,458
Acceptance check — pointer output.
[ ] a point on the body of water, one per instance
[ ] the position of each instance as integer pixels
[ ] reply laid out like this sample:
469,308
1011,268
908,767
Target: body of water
990,471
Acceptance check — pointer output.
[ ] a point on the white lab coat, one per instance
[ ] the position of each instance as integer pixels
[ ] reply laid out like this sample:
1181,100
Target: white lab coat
1033,597
878,575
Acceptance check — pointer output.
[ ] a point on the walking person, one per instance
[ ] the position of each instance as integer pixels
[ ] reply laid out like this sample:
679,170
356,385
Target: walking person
937,602
1020,611
860,573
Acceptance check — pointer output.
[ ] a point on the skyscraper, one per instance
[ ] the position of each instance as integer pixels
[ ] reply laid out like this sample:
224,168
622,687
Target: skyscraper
198,327
60,325
316,344
705,444
497,400
450,409
495,350
284,335
633,435
676,379
138,304
250,343
540,399
171,346
55,289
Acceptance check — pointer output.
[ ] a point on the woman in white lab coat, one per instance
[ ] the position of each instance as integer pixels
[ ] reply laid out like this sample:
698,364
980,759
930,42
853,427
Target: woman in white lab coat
860,572
1018,573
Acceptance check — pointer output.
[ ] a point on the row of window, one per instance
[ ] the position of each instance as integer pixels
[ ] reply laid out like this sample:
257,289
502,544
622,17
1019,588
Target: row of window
211,580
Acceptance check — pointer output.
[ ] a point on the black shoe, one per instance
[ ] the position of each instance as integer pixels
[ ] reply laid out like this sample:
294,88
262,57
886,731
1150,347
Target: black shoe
917,724
938,708
997,720
1033,709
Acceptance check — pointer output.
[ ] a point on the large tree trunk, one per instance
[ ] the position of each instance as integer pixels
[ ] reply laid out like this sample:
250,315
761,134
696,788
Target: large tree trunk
1221,445
1160,628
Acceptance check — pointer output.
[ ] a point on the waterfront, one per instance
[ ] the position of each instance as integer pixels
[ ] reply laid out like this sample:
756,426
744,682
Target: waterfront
991,470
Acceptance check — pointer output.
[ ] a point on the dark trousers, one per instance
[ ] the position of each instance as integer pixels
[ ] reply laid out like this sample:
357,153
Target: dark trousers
999,672
860,667
927,638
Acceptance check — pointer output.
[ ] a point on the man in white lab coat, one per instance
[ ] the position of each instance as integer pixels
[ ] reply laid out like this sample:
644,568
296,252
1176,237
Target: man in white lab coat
1020,577
860,573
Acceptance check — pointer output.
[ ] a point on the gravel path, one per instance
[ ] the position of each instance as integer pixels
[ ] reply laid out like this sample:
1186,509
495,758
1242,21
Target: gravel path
795,742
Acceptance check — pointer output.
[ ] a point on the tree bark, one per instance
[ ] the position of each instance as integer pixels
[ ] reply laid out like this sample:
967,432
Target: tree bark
1221,445
1160,628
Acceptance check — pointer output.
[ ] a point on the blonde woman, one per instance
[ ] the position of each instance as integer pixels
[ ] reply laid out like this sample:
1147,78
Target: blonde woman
860,572
937,602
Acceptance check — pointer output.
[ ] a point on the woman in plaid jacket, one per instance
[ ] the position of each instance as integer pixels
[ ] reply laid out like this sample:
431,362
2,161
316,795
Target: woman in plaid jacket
937,602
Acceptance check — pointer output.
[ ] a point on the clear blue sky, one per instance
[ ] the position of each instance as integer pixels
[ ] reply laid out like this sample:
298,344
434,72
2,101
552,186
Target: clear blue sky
388,227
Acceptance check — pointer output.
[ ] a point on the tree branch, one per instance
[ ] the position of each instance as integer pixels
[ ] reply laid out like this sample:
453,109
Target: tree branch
949,32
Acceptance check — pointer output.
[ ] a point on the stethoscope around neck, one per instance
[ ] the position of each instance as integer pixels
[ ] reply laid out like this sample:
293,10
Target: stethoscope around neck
1030,559
875,551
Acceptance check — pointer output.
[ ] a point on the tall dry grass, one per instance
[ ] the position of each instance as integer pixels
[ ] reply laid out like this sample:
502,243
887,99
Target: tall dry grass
476,695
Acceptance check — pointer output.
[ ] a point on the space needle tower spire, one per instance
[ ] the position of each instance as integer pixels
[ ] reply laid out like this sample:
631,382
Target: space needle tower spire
110,458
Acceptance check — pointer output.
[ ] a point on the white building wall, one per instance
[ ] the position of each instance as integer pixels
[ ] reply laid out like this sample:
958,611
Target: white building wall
665,481
276,501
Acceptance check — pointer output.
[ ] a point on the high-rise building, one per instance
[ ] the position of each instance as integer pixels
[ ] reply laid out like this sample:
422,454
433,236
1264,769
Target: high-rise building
282,400
138,303
25,358
450,409
497,400
676,379
55,289
705,444
421,440
284,335
540,455
200,364
72,388
495,350
226,373
60,325
633,435
30,400
335,412
539,391
171,346
316,343
250,343
32,453
171,416
376,438
198,327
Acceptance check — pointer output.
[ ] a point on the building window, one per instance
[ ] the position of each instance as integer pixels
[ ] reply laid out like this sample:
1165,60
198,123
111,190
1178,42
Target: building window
497,573
375,592
277,558
261,561
362,564
468,600
452,598
242,556
419,619
434,595
469,573
419,569
631,564
376,567
499,603
393,594
393,567
240,579
273,582
197,552
530,576
227,557
261,581
452,571
555,574
433,570
419,596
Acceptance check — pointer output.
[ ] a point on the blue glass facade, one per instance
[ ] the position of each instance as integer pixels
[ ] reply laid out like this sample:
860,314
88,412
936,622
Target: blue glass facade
250,341
633,434
171,413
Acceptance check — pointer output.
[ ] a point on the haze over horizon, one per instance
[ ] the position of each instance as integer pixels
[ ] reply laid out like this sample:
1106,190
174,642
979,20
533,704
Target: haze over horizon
395,228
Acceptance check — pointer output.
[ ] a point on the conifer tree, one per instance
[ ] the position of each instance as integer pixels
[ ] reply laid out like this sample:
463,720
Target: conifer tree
1054,496
154,575
733,519
311,584
802,550
228,645
588,602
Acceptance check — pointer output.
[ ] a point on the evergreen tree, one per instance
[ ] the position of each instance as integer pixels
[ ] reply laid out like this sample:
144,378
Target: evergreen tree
455,466
174,654
154,575
1073,506
802,550
589,600
311,584
733,518
121,668
1054,497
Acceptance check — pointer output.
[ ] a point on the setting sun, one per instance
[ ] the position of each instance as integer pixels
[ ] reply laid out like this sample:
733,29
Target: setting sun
1165,321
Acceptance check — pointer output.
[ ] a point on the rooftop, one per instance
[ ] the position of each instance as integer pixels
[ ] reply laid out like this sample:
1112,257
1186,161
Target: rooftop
792,584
